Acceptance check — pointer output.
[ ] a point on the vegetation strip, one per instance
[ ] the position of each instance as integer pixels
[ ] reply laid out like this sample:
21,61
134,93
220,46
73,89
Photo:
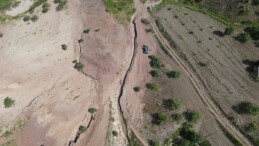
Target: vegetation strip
206,11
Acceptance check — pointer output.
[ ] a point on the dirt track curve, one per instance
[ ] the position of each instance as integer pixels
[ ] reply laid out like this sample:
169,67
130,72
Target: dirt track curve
196,84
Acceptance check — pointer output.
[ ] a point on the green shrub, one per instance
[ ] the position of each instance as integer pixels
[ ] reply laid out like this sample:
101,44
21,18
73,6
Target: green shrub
171,104
228,31
92,110
82,129
8,102
173,74
153,86
64,47
45,7
136,89
86,31
78,65
158,118
246,107
34,18
1,34
155,73
26,18
155,62
61,5
114,133
192,116
177,117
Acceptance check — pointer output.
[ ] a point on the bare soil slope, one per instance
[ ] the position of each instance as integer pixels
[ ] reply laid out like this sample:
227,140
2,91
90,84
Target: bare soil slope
51,97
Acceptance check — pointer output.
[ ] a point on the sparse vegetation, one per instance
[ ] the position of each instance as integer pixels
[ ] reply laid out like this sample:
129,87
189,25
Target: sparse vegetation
143,1
192,116
7,134
5,4
153,86
114,133
159,118
231,137
78,65
145,21
136,89
171,104
82,129
173,74
251,127
149,30
8,102
155,62
122,10
36,3
155,73
92,110
10,143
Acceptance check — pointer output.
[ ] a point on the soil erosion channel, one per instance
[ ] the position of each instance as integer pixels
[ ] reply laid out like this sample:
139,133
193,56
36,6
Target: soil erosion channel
125,78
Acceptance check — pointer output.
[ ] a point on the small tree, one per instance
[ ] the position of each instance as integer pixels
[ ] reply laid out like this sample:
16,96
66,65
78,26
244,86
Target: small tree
244,37
86,31
171,104
173,74
136,89
26,18
114,133
78,65
155,73
229,31
153,86
1,34
177,117
92,110
246,107
34,18
158,118
155,62
8,102
64,46
192,116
